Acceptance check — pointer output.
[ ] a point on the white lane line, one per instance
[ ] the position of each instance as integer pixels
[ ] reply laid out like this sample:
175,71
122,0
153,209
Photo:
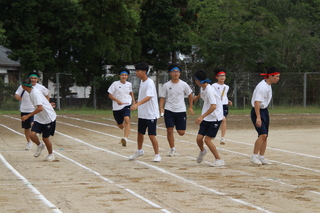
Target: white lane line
239,153
27,183
169,173
84,167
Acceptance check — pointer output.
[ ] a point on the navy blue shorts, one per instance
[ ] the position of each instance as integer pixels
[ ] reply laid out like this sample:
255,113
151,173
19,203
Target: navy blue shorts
45,129
143,124
27,123
120,114
225,110
264,113
178,119
209,129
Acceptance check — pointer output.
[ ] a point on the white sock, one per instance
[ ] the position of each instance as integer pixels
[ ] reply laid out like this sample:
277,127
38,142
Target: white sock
173,149
140,151
261,156
255,155
156,155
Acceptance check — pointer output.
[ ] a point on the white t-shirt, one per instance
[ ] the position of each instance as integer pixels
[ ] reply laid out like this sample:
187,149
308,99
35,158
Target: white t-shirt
210,96
26,106
121,92
222,91
47,115
150,109
263,94
174,94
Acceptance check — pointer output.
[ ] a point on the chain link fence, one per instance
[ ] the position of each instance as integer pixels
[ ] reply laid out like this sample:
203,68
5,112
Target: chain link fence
293,89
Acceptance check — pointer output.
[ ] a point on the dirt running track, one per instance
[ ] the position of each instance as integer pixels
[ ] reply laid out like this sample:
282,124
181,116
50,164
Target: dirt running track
93,174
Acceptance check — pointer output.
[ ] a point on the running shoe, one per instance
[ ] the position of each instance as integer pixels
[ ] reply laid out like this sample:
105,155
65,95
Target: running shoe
39,150
201,155
136,154
217,163
28,146
255,160
157,158
172,153
124,141
50,157
222,141
265,161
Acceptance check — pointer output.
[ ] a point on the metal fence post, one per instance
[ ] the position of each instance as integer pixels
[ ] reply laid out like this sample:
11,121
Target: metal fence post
58,92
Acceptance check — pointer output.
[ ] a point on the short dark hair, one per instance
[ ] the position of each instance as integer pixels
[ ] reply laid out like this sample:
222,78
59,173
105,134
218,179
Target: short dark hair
272,70
34,73
124,69
172,66
201,75
26,82
219,69
142,66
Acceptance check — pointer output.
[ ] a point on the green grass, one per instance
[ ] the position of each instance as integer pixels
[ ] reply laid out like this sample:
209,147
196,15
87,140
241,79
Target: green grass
275,110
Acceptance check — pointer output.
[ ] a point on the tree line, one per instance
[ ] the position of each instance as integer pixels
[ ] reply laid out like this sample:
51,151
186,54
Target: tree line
80,37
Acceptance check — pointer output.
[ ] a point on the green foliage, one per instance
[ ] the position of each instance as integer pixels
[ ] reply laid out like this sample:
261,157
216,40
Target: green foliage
165,29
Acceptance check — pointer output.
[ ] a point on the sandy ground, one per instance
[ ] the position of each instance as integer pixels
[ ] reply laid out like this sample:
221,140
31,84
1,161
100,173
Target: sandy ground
92,172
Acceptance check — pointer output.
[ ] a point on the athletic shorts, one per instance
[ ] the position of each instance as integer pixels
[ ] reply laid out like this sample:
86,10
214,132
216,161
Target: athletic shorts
45,129
264,129
225,110
143,124
27,123
178,119
120,114
209,128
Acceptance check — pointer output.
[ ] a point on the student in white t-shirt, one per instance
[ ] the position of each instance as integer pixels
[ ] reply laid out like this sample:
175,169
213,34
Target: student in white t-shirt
44,119
210,119
260,101
120,92
222,89
148,111
26,107
172,96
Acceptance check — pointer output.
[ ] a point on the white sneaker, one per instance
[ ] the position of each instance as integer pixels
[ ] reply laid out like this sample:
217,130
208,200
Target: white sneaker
217,163
157,158
50,157
201,155
255,160
124,141
172,153
136,154
264,161
222,141
28,146
39,150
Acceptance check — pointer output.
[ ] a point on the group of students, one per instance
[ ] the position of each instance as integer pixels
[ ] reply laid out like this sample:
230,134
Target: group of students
172,107
38,115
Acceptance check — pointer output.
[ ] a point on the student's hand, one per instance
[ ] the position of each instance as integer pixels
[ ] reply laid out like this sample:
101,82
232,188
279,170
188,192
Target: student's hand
134,107
230,103
190,111
258,122
53,104
119,103
25,117
161,111
199,120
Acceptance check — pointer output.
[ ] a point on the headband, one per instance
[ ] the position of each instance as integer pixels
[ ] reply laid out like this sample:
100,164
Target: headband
268,74
28,85
175,68
35,75
203,81
220,73
123,72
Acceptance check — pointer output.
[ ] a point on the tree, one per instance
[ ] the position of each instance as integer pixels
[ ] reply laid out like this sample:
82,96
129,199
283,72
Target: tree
165,29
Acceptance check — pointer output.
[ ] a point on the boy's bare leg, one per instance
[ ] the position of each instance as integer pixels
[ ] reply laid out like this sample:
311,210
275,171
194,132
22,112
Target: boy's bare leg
34,138
223,127
260,145
200,142
48,144
212,147
170,136
126,126
27,134
140,138
154,143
